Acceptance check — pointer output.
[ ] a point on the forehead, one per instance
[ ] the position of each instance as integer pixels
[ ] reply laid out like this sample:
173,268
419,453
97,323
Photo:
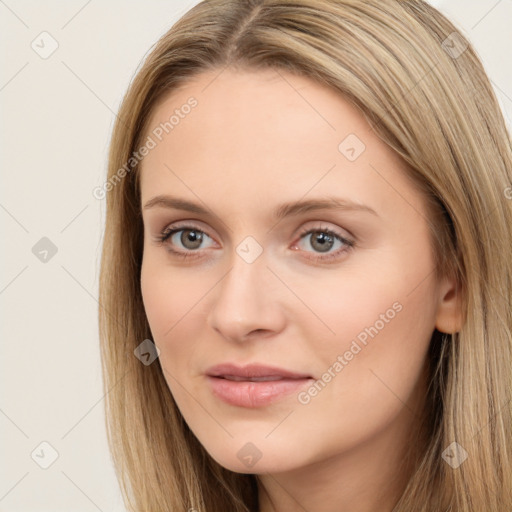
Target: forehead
229,99
250,131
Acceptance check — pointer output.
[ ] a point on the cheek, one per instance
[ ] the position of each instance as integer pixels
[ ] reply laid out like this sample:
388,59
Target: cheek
368,374
174,302
167,292
175,305
157,297
167,297
389,290
376,294
378,319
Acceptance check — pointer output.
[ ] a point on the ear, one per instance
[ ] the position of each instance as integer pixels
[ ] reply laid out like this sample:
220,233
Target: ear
449,316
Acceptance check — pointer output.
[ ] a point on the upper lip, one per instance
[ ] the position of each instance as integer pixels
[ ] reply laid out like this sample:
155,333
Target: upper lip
253,370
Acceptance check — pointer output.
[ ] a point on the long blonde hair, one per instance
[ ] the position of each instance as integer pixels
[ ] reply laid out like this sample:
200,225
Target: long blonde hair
407,69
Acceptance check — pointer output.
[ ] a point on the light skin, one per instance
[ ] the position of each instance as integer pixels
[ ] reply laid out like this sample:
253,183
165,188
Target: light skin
256,140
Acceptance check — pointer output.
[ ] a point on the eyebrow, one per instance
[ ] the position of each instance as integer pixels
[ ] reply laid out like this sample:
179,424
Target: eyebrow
284,210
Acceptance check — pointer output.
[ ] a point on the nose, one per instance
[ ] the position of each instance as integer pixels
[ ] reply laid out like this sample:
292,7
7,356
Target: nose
247,302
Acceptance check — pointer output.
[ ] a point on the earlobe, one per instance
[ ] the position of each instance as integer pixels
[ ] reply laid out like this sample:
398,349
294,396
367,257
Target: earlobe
449,317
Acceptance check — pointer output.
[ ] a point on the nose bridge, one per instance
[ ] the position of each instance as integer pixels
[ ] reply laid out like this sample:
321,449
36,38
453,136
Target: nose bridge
244,301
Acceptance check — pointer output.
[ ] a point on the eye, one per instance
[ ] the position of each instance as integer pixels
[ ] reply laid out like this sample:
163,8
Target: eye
322,240
188,237
189,240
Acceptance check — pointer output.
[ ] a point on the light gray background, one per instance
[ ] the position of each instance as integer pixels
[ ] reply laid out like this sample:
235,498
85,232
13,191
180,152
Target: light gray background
56,118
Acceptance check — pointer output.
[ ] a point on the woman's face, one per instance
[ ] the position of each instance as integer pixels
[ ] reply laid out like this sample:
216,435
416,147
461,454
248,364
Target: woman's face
319,315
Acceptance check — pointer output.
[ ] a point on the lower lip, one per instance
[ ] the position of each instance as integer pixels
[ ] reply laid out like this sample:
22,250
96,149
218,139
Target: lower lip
254,394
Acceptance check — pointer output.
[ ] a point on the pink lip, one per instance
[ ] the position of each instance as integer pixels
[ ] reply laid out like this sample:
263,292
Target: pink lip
245,392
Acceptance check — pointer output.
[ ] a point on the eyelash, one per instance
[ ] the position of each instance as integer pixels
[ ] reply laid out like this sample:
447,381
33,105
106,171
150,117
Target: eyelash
171,230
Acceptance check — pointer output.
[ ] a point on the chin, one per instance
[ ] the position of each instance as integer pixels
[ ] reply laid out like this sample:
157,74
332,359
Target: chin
255,458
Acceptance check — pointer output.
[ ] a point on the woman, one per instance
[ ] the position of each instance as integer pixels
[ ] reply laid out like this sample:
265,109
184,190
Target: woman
306,279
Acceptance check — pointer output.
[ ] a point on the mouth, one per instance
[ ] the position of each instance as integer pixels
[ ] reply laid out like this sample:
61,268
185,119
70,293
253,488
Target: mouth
254,385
